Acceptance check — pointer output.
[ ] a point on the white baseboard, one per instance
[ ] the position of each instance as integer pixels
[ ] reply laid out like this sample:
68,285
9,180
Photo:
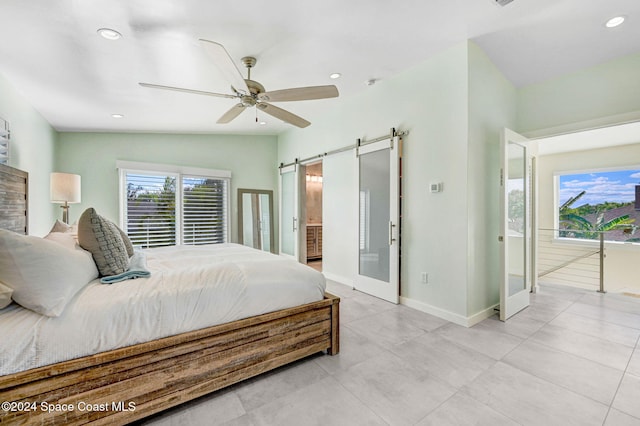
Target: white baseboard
337,278
482,315
448,315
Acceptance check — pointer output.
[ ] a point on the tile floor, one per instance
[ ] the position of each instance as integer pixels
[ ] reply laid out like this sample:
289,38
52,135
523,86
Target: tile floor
572,358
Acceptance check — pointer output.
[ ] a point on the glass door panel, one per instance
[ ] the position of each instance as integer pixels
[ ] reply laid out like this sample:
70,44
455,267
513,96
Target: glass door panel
374,215
288,225
264,207
517,218
516,241
378,215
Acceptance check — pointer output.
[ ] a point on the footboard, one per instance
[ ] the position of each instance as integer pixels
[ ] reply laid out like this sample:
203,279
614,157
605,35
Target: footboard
123,385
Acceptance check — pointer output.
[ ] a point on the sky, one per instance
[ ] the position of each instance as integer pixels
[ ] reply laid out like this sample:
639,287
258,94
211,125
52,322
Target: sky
614,186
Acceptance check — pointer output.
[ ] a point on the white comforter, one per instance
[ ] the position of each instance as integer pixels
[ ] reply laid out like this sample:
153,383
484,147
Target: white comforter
189,288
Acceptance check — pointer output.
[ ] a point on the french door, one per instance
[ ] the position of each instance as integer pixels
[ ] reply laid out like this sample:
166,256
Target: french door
378,219
516,239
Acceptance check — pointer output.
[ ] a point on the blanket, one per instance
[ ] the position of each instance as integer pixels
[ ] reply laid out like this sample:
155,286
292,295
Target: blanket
137,269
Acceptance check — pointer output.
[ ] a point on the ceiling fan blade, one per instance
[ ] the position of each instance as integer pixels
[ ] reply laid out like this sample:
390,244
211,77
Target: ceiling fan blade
283,115
300,94
180,89
225,64
235,111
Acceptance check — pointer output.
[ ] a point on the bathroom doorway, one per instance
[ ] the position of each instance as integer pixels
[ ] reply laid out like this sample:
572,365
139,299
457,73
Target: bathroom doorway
313,198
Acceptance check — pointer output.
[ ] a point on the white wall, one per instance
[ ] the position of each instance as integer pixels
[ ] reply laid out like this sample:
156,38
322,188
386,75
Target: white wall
32,144
339,217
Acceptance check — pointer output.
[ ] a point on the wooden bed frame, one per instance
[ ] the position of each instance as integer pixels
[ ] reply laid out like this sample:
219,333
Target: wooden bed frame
127,384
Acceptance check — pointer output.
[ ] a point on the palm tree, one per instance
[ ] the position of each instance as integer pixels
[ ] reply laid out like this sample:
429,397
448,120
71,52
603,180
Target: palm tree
576,224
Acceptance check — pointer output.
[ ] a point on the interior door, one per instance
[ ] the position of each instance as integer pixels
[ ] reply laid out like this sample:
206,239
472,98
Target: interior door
378,215
516,251
292,212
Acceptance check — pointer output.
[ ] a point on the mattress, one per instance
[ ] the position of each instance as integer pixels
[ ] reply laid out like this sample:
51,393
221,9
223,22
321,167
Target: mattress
190,287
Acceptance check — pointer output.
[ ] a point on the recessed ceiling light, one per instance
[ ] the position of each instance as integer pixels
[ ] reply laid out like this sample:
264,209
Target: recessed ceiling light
335,75
614,22
109,34
117,115
262,123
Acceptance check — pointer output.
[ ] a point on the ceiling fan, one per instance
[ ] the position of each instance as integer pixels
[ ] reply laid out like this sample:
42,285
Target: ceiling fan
251,93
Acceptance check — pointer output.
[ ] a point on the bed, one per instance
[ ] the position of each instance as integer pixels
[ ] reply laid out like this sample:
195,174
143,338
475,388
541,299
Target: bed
118,386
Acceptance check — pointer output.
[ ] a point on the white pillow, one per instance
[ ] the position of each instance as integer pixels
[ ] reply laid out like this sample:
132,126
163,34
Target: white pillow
65,240
5,296
60,226
43,274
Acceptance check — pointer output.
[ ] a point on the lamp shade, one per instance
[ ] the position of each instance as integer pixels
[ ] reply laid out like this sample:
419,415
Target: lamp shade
65,187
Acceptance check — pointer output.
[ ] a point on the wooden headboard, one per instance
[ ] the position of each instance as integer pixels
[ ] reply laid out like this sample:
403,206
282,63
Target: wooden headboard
14,189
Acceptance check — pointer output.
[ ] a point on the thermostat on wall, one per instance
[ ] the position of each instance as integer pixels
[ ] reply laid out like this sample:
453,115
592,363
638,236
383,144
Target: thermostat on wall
435,187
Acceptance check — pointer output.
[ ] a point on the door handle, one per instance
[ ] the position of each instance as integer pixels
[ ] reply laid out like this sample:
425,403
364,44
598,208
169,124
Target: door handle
391,239
295,223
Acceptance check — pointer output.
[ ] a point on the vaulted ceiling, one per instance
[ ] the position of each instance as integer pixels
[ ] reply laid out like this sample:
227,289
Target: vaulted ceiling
51,51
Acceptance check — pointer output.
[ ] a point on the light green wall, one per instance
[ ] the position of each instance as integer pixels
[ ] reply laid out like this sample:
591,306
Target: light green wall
251,160
492,106
32,145
608,89
453,105
429,101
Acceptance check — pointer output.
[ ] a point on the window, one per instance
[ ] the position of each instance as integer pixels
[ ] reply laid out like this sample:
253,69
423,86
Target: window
204,207
595,202
174,206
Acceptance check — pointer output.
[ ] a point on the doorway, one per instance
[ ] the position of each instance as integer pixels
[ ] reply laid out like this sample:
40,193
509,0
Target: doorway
313,208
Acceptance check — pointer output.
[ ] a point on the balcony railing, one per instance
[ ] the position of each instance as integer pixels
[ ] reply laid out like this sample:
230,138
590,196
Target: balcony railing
569,261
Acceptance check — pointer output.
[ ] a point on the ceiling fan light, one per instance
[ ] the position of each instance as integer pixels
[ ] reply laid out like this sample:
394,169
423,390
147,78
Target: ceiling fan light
615,21
109,34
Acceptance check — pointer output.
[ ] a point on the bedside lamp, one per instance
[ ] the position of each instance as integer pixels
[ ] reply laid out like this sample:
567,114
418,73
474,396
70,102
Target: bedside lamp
65,188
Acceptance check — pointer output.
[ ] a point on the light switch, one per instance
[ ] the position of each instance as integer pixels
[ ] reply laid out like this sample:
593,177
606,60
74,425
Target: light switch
435,186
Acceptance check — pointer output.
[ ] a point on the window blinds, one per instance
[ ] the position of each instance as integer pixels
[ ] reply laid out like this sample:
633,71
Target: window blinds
165,209
204,203
151,209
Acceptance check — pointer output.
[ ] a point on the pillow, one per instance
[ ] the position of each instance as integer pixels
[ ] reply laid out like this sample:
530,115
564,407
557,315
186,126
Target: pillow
44,275
65,240
103,239
5,296
127,242
60,226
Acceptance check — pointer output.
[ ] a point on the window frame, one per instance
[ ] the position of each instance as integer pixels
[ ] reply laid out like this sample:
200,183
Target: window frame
179,172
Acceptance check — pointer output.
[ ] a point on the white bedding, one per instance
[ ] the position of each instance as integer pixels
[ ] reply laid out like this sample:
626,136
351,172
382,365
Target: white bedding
190,287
